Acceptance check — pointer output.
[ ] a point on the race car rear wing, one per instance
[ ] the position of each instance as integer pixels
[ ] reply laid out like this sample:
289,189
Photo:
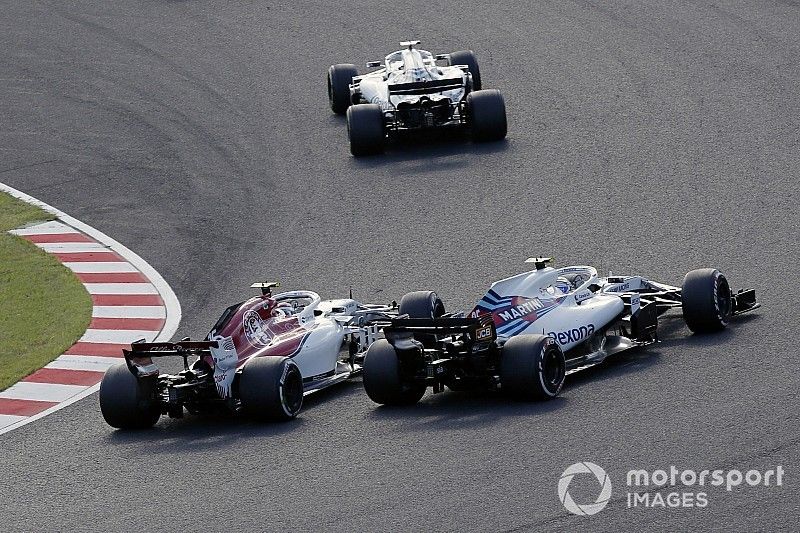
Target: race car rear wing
140,357
425,87
400,332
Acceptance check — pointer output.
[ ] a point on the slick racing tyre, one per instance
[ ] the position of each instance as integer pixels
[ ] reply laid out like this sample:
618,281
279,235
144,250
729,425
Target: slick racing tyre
532,367
467,57
127,402
365,128
487,115
383,377
707,301
339,79
271,388
421,304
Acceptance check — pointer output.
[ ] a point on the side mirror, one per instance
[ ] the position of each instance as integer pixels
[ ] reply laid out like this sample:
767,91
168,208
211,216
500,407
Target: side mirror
373,64
440,57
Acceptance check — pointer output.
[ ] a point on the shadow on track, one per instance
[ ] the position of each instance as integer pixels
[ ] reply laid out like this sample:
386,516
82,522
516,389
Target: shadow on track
426,146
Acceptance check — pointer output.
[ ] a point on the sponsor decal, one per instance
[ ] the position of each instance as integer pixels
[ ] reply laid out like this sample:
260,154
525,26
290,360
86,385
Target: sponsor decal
483,334
512,314
225,360
255,329
572,335
524,308
636,301
622,287
583,295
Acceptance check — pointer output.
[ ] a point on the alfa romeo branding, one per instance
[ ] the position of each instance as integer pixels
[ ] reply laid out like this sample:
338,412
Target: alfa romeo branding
255,329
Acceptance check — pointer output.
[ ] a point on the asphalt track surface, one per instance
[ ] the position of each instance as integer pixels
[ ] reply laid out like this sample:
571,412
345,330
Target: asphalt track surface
643,138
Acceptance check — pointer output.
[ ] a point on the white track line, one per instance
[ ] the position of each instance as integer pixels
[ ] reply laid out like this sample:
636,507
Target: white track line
53,227
113,336
128,311
121,288
83,362
134,263
43,392
90,267
71,247
8,420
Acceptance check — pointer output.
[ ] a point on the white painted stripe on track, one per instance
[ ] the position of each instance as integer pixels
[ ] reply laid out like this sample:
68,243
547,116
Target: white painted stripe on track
7,420
121,288
117,336
128,311
71,247
84,362
43,392
171,302
53,227
90,267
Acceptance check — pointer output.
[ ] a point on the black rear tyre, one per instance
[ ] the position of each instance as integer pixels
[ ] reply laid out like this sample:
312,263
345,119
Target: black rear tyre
127,402
421,304
487,115
271,388
532,367
384,379
467,57
707,301
365,128
339,79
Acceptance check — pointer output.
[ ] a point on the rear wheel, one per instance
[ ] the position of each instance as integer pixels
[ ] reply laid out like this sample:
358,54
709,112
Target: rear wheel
706,299
384,379
532,367
467,57
127,402
365,128
421,304
487,115
339,79
271,388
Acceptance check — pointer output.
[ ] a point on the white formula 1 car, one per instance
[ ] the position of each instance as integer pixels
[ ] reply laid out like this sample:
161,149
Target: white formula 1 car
410,91
261,357
530,330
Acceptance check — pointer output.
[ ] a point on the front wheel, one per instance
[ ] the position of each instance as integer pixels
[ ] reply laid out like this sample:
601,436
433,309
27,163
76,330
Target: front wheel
271,388
706,299
532,367
384,379
487,115
127,402
365,128
421,304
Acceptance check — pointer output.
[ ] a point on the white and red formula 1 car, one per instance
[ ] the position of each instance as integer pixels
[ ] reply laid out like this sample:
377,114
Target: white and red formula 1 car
261,357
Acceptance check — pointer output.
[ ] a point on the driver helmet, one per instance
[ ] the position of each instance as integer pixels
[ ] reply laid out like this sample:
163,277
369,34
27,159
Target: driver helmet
562,284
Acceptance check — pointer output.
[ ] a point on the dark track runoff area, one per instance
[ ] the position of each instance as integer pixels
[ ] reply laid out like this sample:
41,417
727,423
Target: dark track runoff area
645,139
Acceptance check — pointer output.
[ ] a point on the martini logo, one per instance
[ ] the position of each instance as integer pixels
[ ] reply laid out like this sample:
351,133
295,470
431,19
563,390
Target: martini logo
582,469
521,309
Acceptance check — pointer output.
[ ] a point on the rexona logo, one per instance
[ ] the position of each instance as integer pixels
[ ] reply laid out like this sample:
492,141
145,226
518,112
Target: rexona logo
572,335
584,468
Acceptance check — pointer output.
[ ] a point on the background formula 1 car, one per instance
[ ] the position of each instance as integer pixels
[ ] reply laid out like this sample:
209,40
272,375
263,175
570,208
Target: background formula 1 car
261,357
530,330
411,92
